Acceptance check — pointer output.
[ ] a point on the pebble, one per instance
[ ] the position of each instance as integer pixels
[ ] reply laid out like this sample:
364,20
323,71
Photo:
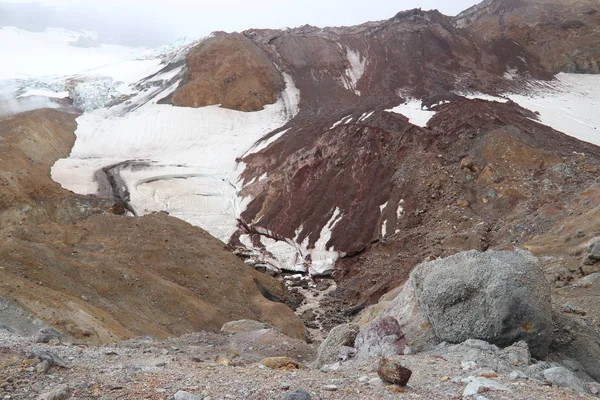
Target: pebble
330,388
182,395
297,394
517,375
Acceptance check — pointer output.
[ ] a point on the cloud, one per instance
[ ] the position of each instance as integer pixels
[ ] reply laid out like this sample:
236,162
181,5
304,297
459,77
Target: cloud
155,22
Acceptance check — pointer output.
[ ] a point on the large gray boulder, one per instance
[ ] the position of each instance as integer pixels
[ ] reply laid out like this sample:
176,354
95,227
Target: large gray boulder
329,350
501,297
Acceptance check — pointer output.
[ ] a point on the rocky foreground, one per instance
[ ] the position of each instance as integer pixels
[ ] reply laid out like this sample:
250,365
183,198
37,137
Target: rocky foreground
236,366
477,325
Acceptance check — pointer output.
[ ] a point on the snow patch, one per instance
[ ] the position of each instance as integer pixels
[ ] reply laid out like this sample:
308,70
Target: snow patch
44,93
569,105
400,210
355,70
414,112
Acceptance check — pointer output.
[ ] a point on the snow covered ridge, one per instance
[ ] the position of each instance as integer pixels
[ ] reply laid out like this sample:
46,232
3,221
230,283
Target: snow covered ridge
569,104
56,65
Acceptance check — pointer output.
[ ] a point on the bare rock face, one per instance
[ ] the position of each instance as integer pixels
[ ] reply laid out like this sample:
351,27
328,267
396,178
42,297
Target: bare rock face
561,34
393,372
382,338
230,70
501,297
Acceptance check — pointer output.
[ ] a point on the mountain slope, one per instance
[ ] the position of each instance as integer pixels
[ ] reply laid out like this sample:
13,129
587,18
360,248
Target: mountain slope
98,277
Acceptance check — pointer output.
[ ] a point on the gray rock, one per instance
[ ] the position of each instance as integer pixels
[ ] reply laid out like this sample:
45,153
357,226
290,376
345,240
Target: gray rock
329,350
474,354
46,334
49,356
517,375
595,252
43,367
381,338
182,395
244,325
577,338
501,297
562,377
297,394
61,392
481,385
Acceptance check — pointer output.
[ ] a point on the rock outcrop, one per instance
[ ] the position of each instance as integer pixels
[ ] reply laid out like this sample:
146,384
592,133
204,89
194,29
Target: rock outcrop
230,70
560,34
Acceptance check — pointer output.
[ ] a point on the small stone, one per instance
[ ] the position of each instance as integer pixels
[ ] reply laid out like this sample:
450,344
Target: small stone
579,234
182,395
562,377
463,203
225,361
517,375
445,379
375,382
488,374
297,394
481,385
160,390
31,369
330,388
61,392
241,326
392,372
42,367
467,365
45,335
280,363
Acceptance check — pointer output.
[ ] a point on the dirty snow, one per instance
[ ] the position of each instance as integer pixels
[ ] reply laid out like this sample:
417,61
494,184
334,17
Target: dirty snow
414,112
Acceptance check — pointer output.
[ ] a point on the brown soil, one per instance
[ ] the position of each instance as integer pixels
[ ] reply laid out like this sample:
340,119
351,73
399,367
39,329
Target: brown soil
101,278
228,69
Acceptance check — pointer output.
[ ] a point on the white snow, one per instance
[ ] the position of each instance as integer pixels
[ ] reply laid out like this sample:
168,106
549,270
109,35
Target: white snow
323,259
482,96
413,111
366,116
400,210
36,54
45,93
264,143
571,104
355,70
383,206
190,153
384,228
338,122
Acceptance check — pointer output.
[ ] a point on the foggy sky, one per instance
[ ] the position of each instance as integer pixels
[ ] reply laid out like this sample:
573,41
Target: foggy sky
156,22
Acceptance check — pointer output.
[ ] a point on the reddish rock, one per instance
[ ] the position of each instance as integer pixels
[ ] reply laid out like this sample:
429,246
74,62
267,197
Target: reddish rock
393,372
382,338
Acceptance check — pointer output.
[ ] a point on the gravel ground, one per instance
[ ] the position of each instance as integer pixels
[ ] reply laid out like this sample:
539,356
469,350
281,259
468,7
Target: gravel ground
147,369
